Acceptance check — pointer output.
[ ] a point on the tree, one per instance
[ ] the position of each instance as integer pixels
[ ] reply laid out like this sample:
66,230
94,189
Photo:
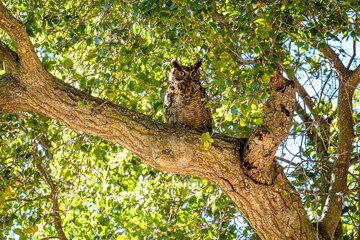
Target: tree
100,69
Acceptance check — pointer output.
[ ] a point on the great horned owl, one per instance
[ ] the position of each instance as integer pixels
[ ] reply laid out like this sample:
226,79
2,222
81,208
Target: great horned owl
184,101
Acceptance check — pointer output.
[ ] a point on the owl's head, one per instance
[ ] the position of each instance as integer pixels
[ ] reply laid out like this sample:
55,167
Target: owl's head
180,72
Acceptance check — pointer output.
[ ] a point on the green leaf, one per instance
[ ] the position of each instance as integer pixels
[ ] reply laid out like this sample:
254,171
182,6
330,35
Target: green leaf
137,29
104,221
233,110
18,231
321,45
97,39
68,63
2,200
260,21
89,41
258,121
291,72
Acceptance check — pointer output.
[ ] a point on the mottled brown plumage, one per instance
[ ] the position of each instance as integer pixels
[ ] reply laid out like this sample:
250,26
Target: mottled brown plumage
184,101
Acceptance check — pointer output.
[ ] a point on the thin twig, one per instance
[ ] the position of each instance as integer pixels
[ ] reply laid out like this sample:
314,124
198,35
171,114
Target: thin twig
353,56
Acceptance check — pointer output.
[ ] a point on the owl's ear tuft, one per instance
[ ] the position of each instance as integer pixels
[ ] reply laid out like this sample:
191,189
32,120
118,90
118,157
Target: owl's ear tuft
197,65
176,63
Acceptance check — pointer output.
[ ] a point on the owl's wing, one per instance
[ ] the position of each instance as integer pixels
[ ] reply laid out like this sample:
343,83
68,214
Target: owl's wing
168,108
208,115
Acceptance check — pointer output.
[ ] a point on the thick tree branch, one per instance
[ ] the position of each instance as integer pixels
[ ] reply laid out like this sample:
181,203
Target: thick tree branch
338,185
148,139
334,59
354,78
348,81
265,139
351,77
178,150
17,32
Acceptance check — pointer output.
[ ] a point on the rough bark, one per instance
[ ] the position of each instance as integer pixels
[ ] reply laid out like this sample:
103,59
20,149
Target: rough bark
338,185
244,169
265,139
354,78
273,208
348,81
17,32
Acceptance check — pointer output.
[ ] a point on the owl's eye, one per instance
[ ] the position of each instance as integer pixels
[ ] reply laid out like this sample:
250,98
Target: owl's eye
181,73
193,74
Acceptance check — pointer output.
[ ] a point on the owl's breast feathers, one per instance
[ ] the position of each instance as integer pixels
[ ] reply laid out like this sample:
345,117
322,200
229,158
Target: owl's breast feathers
183,105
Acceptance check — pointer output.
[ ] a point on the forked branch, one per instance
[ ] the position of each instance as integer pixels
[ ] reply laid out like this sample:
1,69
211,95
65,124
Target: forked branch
334,59
17,32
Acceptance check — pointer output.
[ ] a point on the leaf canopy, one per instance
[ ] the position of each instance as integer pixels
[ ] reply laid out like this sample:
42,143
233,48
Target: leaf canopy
121,51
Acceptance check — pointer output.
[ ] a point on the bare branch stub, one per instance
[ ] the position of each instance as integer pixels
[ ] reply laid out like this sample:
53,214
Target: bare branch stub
259,151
